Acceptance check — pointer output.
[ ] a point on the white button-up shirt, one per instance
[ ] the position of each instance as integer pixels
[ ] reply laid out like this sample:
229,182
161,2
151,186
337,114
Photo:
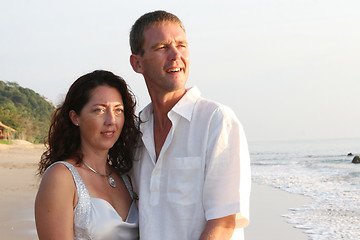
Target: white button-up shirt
202,172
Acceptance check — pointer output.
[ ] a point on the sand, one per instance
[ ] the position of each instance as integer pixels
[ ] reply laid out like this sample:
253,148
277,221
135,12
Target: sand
18,186
267,206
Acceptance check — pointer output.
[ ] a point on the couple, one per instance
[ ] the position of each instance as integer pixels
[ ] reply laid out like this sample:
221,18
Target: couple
188,158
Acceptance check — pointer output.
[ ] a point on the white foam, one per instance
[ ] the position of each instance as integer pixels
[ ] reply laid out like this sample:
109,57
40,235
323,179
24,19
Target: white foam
330,180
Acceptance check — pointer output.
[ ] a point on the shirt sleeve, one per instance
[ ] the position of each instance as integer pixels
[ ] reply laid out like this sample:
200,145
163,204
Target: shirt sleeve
227,172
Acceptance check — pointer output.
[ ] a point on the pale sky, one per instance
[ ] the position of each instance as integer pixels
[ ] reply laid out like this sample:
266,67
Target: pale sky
290,69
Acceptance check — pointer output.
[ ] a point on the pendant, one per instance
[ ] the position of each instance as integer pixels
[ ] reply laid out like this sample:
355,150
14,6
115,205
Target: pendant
111,181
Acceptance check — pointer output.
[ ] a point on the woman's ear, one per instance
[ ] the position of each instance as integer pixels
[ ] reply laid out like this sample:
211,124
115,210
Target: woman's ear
74,117
135,61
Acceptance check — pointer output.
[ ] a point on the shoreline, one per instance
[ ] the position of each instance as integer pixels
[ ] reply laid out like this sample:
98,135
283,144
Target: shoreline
19,183
268,205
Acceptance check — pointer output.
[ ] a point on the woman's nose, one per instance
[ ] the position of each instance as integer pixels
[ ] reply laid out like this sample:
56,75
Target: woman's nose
110,117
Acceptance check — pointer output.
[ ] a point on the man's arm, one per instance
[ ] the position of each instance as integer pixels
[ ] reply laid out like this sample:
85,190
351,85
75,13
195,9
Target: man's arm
220,228
228,181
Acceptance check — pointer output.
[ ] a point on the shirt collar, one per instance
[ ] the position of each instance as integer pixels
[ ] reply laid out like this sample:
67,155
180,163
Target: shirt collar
146,113
184,107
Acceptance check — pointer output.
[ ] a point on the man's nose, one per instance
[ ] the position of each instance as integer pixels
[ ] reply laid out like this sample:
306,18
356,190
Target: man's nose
174,52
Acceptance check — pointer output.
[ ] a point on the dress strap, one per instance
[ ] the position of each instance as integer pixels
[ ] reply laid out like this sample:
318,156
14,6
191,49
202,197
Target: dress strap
83,208
83,194
126,180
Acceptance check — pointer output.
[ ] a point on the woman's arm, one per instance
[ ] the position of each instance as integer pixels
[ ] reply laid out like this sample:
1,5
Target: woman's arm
54,204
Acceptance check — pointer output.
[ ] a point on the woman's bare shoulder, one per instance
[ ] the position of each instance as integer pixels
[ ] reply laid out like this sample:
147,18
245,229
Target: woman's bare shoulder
59,175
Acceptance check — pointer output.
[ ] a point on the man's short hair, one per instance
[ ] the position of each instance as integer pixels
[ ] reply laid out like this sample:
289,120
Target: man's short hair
148,20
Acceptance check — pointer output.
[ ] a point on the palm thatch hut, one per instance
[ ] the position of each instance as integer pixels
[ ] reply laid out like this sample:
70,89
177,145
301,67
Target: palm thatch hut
6,132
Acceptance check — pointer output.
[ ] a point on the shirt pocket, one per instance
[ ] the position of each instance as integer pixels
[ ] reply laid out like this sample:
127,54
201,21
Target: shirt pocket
184,180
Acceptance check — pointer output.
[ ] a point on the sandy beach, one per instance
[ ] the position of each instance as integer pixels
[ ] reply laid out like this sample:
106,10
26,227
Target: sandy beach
18,186
267,206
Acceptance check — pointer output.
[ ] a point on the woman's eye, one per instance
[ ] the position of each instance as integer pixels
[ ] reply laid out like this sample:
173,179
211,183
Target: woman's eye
99,110
119,111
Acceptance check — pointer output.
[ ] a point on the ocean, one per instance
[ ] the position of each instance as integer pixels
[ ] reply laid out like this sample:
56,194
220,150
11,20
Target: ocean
321,170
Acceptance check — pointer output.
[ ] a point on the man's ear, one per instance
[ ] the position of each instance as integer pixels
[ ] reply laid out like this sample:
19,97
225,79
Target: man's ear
74,117
135,61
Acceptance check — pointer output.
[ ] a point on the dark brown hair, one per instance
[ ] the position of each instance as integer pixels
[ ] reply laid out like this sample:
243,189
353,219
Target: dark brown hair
147,20
63,141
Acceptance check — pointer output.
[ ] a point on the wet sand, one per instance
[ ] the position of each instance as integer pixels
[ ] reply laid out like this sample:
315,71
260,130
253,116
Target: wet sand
267,206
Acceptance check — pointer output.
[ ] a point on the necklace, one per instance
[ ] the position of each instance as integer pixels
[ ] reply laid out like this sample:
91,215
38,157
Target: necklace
110,179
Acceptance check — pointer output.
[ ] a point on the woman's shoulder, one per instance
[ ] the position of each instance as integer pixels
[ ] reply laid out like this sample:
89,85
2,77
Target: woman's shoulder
57,186
59,173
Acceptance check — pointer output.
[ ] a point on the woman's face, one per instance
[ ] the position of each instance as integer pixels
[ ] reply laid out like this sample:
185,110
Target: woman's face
101,119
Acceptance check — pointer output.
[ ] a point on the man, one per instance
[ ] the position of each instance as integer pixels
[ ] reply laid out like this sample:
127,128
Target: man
193,168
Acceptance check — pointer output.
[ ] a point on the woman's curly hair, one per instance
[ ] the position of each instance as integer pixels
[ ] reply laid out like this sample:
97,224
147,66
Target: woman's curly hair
63,141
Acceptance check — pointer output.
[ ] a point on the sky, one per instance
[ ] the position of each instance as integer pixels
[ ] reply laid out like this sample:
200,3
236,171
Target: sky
288,68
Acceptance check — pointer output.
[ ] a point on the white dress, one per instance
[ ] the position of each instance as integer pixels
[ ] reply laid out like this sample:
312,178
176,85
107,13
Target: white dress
95,218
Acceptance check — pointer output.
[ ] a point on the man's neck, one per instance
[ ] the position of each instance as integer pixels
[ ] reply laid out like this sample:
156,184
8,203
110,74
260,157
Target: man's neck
162,124
164,102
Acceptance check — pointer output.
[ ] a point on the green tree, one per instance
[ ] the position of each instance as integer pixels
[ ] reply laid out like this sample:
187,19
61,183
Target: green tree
25,111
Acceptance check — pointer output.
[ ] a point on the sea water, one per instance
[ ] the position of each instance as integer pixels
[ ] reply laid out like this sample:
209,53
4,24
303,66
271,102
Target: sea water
318,169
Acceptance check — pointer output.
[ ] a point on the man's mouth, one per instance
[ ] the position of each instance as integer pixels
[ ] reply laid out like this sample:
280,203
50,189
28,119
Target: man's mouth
171,70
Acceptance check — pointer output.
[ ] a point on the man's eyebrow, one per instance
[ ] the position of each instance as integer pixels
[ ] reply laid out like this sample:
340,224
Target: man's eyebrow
164,43
156,45
182,42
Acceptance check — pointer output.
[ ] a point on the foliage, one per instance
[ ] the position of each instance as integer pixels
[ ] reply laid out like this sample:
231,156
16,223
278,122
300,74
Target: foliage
25,111
5,142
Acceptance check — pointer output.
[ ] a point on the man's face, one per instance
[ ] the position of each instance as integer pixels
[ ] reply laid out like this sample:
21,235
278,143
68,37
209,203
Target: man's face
165,63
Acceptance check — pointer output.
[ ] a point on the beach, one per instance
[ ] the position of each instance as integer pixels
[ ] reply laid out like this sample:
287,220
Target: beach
267,207
18,186
322,171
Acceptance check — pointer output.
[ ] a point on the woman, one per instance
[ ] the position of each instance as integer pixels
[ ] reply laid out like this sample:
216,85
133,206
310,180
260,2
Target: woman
85,192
